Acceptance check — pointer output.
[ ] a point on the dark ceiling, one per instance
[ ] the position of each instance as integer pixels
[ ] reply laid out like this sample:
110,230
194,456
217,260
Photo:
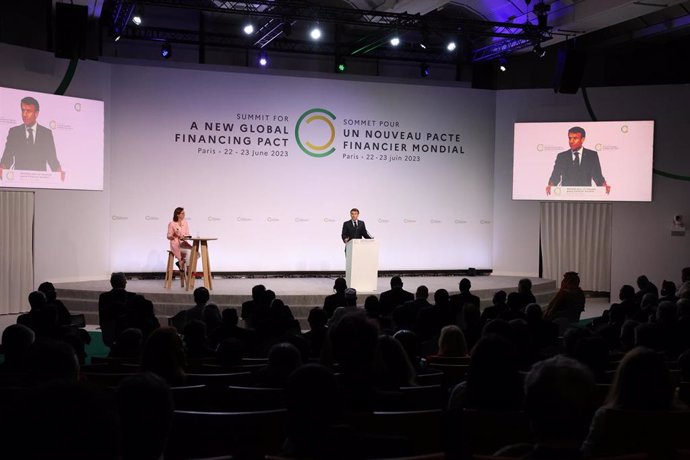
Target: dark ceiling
618,42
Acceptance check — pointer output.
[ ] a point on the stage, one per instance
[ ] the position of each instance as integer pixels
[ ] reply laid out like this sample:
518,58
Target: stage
301,294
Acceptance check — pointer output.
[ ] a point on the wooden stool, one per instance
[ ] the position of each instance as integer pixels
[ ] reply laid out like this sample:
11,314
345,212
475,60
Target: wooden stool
170,272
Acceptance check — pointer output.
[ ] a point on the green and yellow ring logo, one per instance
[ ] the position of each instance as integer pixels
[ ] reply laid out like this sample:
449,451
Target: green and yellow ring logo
318,151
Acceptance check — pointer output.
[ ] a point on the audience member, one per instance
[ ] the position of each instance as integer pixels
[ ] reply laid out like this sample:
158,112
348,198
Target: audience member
63,315
642,383
405,315
645,287
49,360
336,299
41,318
471,324
465,297
62,420
283,359
164,356
544,333
525,293
497,308
112,305
513,310
451,342
16,343
668,291
255,311
230,329
593,353
145,406
493,380
395,296
397,370
139,314
569,301
559,400
410,343
128,344
195,341
316,335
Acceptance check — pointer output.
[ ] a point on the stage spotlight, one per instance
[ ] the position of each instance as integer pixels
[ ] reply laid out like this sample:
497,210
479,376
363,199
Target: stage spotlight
136,19
248,29
422,45
315,33
395,41
451,46
424,70
539,51
166,50
503,64
263,59
117,38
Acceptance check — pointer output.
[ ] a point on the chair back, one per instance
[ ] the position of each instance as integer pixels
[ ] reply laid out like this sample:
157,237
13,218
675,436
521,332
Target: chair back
422,429
241,434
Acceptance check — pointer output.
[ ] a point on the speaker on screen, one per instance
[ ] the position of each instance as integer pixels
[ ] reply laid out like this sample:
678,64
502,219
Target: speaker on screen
570,69
70,30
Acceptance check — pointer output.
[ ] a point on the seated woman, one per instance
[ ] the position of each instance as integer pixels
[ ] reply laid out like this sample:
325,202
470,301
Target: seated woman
640,412
177,230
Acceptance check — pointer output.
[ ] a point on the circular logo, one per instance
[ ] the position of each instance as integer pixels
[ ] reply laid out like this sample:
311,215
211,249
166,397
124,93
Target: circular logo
77,106
540,147
52,124
305,132
557,191
598,147
10,175
624,128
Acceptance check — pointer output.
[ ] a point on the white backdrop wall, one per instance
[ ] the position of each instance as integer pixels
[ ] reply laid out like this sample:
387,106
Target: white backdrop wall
641,232
72,234
284,211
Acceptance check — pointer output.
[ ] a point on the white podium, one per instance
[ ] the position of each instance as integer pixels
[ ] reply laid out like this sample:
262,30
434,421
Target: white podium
362,264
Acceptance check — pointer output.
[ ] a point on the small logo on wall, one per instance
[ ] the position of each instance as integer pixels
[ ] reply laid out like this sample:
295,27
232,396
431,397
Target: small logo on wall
272,219
9,175
435,221
244,219
540,147
301,219
409,221
484,222
598,147
52,124
213,219
119,217
624,129
383,221
77,107
328,219
460,221
151,218
305,132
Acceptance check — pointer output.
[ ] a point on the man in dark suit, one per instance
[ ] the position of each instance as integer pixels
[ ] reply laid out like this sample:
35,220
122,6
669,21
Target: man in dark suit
113,305
577,166
30,146
354,229
390,299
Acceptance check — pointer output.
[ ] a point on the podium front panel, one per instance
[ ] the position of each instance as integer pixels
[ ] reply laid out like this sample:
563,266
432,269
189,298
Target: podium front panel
362,264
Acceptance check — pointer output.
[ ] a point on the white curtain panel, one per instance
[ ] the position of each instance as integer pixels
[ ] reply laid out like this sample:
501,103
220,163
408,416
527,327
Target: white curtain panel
577,237
16,250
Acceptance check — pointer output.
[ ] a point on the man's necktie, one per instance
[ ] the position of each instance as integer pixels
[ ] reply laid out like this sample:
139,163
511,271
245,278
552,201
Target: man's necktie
576,161
30,137
355,222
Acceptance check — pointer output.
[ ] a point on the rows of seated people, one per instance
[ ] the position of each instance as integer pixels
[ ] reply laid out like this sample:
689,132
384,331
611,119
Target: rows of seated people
391,377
